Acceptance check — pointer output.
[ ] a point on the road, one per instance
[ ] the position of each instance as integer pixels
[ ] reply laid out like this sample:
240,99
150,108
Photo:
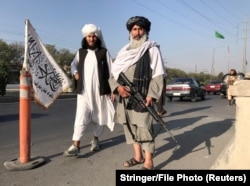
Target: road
203,130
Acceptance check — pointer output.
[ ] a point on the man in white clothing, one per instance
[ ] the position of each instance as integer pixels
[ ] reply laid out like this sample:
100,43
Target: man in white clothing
91,70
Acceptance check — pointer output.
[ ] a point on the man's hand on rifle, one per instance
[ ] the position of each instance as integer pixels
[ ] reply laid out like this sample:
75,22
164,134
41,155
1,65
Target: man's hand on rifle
149,101
123,91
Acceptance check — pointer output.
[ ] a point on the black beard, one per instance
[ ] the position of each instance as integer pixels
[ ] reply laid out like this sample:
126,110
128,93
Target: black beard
92,47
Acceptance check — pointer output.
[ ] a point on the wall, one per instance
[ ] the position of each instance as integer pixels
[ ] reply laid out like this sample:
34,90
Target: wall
237,153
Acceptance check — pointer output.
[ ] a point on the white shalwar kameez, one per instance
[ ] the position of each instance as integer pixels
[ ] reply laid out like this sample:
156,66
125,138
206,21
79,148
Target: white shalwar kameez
91,107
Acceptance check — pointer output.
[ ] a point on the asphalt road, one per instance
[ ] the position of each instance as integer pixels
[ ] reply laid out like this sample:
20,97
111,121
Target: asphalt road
203,130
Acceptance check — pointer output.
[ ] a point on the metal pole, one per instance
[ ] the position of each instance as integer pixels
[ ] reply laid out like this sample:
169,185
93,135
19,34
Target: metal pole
212,67
213,64
244,65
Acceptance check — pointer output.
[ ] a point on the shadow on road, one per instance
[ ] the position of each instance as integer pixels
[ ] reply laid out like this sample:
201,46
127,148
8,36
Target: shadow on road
189,140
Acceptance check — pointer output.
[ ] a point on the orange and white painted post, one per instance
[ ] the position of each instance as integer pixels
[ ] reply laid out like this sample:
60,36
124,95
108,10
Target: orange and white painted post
25,117
24,161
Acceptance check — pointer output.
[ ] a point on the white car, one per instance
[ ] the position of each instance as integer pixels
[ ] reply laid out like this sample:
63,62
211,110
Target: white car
188,88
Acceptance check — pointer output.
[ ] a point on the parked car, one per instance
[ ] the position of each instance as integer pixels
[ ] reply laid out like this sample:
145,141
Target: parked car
188,88
214,87
239,75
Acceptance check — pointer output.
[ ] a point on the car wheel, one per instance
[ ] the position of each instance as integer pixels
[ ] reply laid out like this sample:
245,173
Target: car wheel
203,97
170,98
194,97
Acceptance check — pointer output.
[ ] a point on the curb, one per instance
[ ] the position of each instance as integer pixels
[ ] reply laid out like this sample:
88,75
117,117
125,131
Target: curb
223,158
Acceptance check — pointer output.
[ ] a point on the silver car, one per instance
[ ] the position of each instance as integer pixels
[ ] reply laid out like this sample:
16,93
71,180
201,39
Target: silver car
185,88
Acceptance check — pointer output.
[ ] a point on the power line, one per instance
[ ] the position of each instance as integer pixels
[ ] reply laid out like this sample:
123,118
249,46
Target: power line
229,12
205,4
165,17
205,17
185,16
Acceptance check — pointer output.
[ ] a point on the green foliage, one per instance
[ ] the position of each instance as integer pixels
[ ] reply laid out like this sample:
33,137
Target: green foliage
174,73
4,70
5,57
65,57
62,57
5,51
3,77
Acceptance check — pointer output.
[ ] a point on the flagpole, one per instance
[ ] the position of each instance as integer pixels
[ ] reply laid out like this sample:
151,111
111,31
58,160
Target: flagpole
212,67
25,62
24,162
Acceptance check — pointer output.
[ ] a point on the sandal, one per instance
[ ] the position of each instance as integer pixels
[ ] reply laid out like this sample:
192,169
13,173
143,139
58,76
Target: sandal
145,168
162,113
132,162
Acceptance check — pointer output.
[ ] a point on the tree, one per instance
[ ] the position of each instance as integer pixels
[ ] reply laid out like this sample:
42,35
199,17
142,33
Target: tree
62,57
53,51
5,52
65,57
3,77
174,73
5,58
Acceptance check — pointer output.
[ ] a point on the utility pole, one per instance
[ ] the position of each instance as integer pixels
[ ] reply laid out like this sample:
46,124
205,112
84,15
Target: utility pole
213,63
244,63
212,67
228,63
195,70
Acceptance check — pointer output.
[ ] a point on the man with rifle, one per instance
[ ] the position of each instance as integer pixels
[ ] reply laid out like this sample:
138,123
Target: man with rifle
139,61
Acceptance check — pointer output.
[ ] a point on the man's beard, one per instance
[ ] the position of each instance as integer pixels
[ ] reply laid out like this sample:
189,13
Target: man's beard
135,43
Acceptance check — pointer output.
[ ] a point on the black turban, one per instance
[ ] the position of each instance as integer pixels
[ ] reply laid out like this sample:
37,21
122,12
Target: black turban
140,21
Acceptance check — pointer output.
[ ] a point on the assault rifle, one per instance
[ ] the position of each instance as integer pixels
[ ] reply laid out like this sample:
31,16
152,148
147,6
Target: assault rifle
138,96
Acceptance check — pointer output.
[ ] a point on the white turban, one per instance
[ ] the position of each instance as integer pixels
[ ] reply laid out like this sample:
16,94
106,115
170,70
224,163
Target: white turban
93,29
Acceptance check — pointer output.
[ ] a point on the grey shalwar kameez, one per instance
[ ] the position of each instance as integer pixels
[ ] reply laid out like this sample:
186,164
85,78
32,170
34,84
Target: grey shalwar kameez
140,123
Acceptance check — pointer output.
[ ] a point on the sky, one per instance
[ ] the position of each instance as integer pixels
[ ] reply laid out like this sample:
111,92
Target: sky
184,29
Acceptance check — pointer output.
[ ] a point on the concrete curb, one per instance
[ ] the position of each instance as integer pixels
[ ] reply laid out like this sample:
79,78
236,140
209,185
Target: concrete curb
224,156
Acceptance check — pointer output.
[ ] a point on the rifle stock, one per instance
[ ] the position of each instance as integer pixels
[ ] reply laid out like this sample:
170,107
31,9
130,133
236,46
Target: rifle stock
135,92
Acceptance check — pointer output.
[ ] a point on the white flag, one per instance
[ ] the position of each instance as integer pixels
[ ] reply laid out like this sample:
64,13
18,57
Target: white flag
48,79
